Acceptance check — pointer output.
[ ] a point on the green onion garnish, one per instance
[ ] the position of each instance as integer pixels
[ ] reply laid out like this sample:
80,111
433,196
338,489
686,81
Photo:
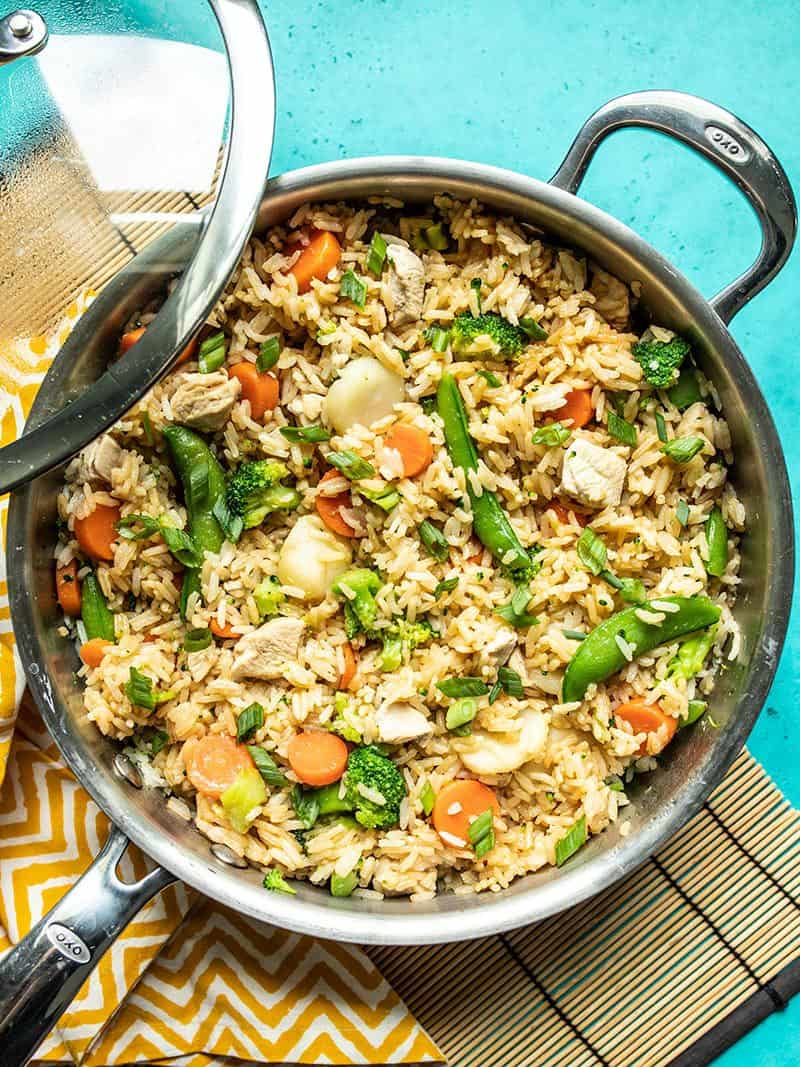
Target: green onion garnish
434,540
661,428
620,429
148,525
343,886
436,237
682,512
461,712
351,465
250,720
551,435
569,844
462,687
139,690
515,613
491,379
310,434
533,329
182,546
158,740
386,499
268,356
437,337
351,287
232,525
592,551
631,590
574,635
306,806
149,432
682,449
495,692
427,798
211,354
476,285
376,256
481,833
694,711
447,585
686,390
266,766
510,681
197,640
615,784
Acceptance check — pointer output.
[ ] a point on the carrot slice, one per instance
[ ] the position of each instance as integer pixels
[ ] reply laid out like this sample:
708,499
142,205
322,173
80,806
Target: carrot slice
457,805
320,255
350,665
414,446
317,758
328,507
93,651
262,390
68,588
646,719
97,532
129,339
215,762
564,514
187,353
577,410
225,633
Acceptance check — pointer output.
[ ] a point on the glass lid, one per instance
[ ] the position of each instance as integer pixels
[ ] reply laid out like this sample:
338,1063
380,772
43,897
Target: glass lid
121,123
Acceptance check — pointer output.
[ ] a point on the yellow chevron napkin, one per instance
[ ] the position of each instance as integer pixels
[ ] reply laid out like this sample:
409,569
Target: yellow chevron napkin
189,983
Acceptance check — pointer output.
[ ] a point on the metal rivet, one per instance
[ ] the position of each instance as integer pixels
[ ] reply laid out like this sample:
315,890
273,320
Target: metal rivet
227,855
125,769
20,25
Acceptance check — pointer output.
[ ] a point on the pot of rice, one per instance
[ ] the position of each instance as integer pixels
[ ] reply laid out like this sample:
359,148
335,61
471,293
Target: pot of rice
446,575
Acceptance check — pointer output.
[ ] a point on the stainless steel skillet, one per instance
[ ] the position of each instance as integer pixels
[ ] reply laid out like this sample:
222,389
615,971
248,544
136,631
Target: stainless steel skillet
39,977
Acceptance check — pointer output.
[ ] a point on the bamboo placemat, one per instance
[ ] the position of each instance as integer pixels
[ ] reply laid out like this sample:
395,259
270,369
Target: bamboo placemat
664,970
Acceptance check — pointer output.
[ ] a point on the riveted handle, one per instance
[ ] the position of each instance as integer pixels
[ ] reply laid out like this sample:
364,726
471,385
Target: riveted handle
725,141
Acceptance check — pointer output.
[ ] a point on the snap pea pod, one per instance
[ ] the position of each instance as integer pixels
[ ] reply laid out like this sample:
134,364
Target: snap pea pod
599,656
490,522
98,618
692,654
203,482
717,538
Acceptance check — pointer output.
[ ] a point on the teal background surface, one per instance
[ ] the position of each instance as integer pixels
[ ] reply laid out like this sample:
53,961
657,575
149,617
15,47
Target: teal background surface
510,83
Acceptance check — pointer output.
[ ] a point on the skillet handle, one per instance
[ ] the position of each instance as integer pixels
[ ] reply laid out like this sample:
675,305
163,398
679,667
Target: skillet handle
725,141
41,975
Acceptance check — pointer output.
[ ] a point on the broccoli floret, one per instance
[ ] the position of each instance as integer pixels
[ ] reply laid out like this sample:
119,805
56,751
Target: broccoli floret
357,588
661,360
255,491
468,334
274,881
403,635
369,768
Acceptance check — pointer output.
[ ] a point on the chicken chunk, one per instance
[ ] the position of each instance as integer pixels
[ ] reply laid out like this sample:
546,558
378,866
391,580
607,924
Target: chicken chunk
98,461
205,401
500,647
405,280
498,753
398,721
593,475
265,652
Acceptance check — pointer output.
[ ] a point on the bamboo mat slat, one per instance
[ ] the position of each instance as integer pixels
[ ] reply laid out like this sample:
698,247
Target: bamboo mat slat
664,970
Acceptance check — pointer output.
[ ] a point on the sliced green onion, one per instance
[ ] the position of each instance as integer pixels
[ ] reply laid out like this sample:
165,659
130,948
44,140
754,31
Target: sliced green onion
250,720
694,711
311,434
486,844
592,551
343,886
686,390
447,585
632,590
682,449
495,692
306,806
620,429
351,287
436,237
434,540
197,640
427,798
437,337
149,432
158,739
182,546
139,690
376,256
232,525
148,526
569,844
268,355
682,512
510,681
533,329
462,687
461,712
211,355
516,611
551,435
491,379
266,766
574,635
476,285
276,883
481,833
351,465
615,784
387,498
661,428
